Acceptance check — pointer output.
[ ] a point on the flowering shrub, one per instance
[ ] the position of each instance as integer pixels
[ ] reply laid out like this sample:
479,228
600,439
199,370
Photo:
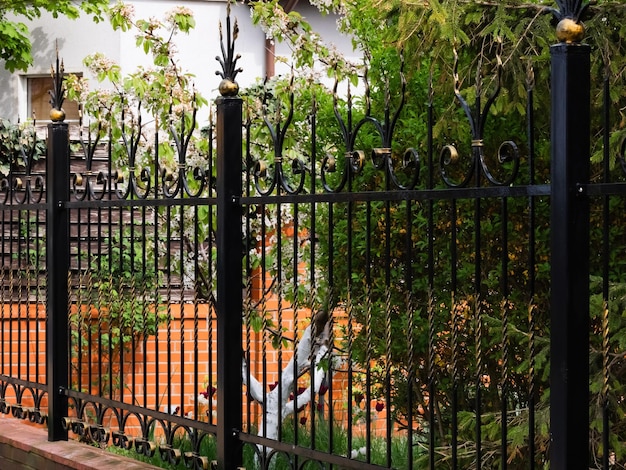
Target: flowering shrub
147,113
19,145
308,50
206,401
205,395
164,90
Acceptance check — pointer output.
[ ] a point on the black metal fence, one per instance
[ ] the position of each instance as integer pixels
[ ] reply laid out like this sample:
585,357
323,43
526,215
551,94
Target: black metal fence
354,305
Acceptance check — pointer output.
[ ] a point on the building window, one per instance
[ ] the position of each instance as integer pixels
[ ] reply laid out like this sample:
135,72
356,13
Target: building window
39,100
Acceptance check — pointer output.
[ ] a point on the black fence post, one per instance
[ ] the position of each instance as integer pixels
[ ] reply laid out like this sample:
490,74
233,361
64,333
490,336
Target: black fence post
57,266
569,346
229,276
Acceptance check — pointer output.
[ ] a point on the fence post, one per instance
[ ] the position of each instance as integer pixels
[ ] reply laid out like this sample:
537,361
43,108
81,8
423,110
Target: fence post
57,266
229,276
569,345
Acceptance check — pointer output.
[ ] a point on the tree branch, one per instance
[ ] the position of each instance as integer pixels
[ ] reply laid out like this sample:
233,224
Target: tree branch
305,397
255,388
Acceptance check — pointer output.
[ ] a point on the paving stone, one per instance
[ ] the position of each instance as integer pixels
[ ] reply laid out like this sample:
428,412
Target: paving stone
26,447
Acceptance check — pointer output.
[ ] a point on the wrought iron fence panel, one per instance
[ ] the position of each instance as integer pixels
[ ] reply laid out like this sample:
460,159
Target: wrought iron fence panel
23,283
330,295
141,318
390,298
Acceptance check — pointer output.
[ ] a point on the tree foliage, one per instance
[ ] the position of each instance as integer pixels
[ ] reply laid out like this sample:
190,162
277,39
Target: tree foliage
15,44
442,49
19,146
157,98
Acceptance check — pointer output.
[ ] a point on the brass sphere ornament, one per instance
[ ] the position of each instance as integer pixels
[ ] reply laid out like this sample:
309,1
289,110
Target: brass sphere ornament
57,115
228,87
569,31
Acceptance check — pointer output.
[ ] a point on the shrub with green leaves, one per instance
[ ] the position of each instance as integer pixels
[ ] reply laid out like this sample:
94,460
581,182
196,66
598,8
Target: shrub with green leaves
19,146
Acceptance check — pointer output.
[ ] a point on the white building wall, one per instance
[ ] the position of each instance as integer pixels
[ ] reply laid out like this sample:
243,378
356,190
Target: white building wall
75,39
326,26
197,51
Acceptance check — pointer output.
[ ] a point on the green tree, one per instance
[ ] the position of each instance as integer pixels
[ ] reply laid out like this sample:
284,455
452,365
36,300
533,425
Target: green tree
457,46
15,45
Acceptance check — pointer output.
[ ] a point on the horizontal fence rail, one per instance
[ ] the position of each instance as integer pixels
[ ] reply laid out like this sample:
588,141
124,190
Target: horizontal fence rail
310,285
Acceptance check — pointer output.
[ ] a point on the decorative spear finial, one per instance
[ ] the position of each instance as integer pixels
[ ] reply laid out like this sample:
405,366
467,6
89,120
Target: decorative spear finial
570,29
228,86
57,94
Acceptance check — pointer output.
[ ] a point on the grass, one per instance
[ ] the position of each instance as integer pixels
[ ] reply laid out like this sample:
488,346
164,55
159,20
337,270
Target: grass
378,448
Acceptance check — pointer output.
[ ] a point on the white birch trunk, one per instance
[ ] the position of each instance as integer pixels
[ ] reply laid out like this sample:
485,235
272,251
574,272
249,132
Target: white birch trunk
307,348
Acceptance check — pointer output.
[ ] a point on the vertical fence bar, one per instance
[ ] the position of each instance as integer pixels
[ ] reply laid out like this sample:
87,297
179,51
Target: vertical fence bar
569,346
229,280
606,248
530,126
57,264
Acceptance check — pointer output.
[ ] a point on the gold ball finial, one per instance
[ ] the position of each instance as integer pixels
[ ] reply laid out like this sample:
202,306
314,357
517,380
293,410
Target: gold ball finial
57,115
569,31
228,87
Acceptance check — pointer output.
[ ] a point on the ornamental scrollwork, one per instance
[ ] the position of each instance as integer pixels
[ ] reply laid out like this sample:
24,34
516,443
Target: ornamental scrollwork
508,155
89,185
177,184
381,157
353,160
20,185
282,174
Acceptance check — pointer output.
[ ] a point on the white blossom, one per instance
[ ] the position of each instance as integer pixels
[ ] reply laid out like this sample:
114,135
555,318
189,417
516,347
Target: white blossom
356,453
125,10
203,400
179,10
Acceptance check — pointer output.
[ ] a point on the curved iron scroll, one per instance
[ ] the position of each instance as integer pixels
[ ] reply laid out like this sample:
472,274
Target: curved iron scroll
139,181
381,156
88,425
18,410
24,188
89,185
178,185
269,176
354,160
508,151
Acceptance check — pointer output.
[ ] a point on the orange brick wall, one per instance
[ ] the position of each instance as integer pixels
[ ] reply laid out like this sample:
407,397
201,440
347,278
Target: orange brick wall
167,370
22,347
